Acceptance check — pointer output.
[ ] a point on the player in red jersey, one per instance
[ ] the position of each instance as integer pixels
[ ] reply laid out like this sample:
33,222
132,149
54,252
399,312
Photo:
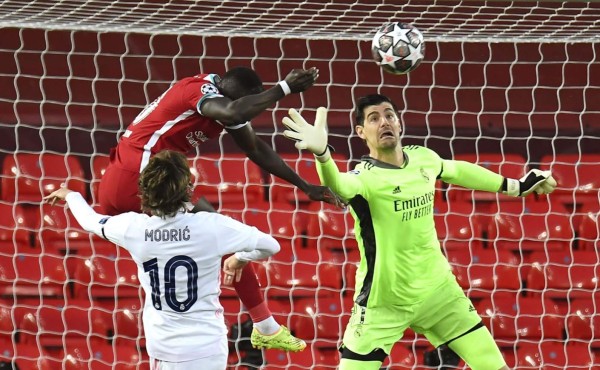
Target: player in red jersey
196,109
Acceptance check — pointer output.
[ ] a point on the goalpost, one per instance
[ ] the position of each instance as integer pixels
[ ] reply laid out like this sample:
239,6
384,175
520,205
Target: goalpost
509,85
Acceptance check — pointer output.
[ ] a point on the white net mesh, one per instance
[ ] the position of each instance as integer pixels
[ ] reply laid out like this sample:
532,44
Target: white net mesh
510,85
547,21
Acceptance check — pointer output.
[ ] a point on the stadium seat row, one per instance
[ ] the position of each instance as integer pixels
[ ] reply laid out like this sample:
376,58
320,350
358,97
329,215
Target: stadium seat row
543,355
106,271
232,178
516,322
520,227
26,177
484,274
73,356
524,225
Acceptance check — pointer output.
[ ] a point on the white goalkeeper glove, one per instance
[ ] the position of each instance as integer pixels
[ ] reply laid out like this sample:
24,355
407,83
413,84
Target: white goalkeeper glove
539,181
307,136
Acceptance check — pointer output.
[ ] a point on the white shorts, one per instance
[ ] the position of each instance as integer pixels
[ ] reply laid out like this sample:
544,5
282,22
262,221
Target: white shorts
214,362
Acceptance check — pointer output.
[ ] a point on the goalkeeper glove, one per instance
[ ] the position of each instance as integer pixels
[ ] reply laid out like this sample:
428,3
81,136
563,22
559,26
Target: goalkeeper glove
539,181
307,136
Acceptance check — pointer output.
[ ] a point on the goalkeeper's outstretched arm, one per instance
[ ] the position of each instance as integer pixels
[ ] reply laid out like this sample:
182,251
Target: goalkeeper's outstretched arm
314,138
473,176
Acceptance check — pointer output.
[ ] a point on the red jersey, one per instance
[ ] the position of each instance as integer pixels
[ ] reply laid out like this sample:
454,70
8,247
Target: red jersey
173,121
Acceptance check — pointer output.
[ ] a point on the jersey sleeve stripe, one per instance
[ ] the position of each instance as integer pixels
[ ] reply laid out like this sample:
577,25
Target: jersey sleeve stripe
202,99
156,136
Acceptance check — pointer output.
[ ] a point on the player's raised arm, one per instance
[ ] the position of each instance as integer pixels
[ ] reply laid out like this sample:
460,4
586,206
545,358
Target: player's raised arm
263,154
90,220
232,109
314,139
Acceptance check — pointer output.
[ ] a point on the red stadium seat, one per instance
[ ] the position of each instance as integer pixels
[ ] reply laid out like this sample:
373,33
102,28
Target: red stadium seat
304,257
25,356
581,211
7,324
458,227
128,328
530,226
554,355
280,220
60,233
99,164
308,359
589,230
304,165
576,175
507,164
322,321
482,272
106,277
231,178
330,227
78,356
27,177
510,356
299,279
14,234
54,321
19,306
583,321
32,275
24,305
564,274
512,318
401,358
348,261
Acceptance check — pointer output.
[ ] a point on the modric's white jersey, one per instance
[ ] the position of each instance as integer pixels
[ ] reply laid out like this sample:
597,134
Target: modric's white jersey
179,264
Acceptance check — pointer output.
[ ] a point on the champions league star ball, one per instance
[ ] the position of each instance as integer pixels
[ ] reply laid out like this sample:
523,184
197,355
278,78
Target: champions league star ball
398,47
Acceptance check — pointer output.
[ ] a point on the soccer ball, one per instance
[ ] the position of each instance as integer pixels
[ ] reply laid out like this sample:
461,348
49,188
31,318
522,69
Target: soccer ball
398,47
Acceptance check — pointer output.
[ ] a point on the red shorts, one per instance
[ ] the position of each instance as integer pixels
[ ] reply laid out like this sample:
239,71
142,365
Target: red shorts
118,191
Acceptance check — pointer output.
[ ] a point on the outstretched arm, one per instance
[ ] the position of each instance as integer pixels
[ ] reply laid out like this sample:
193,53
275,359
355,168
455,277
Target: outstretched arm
231,112
314,138
473,176
90,220
262,154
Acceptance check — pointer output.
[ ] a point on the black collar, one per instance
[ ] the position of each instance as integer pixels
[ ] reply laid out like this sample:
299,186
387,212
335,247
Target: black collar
378,163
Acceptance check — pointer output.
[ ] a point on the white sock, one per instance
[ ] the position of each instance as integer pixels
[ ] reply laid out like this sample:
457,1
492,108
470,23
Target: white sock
268,326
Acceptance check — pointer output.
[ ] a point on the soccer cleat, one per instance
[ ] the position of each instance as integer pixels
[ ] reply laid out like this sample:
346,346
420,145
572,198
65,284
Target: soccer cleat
282,340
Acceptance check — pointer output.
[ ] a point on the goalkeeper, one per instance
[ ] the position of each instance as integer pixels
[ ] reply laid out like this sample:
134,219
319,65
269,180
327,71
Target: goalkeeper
403,280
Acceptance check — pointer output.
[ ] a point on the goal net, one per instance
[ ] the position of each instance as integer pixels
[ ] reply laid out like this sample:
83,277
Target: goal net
508,85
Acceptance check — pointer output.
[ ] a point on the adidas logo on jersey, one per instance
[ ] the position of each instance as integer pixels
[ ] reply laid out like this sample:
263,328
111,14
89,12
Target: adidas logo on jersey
396,190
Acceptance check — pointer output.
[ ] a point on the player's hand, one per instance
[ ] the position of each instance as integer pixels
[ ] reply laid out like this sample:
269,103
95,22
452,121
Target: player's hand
58,194
536,180
232,269
324,194
307,136
301,79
